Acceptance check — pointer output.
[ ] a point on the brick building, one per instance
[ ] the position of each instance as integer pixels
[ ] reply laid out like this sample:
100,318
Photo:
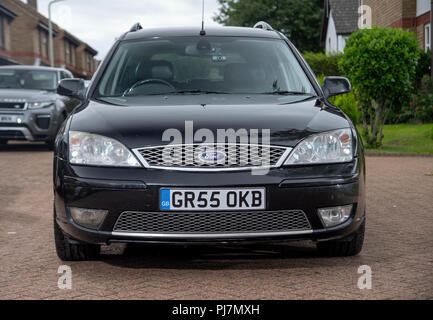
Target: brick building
24,40
412,15
341,19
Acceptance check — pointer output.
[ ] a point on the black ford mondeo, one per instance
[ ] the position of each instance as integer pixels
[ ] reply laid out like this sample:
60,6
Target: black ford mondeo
190,136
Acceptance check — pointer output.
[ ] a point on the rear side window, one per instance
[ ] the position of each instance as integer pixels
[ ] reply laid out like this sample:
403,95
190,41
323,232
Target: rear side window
65,75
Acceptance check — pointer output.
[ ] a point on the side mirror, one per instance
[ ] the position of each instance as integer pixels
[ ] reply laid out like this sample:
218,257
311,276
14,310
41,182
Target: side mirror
333,86
74,88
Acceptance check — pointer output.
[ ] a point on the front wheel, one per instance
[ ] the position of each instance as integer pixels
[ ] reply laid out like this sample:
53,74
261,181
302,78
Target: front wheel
3,142
350,246
68,251
50,145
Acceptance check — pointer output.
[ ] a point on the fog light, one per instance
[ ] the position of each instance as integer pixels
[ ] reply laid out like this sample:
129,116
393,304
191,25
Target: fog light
334,216
88,218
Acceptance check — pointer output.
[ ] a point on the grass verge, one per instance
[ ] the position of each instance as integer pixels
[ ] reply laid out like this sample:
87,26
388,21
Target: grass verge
406,138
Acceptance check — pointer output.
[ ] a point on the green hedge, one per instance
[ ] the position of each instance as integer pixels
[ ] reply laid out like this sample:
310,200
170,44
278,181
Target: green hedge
348,104
323,64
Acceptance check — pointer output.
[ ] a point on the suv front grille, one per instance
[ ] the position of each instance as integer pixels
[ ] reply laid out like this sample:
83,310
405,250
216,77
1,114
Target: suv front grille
12,105
212,222
234,156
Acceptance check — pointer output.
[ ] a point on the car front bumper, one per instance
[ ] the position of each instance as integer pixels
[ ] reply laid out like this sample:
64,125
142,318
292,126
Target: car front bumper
31,125
137,190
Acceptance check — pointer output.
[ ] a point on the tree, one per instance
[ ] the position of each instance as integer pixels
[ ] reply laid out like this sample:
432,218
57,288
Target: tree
381,63
299,20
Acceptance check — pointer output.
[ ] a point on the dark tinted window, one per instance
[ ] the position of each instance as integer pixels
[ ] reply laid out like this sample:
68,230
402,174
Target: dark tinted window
216,64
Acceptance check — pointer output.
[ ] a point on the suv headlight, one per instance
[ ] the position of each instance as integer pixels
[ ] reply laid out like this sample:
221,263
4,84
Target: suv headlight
328,147
39,104
92,149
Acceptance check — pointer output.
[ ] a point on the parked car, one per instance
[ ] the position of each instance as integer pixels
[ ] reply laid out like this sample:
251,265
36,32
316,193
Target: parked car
130,168
30,108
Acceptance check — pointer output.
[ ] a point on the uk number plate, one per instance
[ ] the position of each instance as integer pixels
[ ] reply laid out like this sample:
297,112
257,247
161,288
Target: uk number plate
7,119
212,200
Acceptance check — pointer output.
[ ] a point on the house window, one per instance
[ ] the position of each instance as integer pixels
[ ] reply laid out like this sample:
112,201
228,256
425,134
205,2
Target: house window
67,52
70,53
2,32
89,63
43,44
427,37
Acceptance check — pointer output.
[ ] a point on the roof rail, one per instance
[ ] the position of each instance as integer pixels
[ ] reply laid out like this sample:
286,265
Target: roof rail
136,27
263,25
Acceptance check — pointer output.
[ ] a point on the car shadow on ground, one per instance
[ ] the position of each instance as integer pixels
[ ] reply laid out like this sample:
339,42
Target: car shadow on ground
24,147
213,257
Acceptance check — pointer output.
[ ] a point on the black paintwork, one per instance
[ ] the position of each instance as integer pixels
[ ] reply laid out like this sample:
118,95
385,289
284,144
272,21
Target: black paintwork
149,33
141,126
139,122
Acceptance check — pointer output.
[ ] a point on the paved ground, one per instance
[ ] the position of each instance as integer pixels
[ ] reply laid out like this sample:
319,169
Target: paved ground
398,248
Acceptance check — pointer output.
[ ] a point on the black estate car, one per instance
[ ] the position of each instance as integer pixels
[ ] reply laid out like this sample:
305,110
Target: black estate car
222,135
30,108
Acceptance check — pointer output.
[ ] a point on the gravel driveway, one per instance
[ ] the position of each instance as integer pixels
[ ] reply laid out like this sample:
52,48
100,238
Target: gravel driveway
398,248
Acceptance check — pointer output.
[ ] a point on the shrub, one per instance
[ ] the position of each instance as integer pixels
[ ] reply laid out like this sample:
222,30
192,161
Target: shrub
323,64
419,107
422,73
320,78
424,65
347,102
381,63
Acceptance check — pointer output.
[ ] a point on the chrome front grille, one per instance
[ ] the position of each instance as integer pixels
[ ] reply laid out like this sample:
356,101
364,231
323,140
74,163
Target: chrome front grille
196,156
212,222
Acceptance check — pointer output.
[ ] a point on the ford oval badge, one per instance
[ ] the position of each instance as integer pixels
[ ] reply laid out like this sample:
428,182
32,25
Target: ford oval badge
211,157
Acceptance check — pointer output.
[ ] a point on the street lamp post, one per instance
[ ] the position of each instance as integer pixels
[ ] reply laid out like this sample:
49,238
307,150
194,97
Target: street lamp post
431,37
50,32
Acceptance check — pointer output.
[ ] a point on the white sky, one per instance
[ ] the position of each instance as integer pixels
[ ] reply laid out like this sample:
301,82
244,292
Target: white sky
99,22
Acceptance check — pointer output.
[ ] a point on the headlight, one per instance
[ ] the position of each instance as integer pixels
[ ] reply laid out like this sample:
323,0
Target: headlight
91,149
38,105
328,147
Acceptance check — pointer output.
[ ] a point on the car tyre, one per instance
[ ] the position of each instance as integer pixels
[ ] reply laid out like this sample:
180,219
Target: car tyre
68,251
346,247
50,145
3,142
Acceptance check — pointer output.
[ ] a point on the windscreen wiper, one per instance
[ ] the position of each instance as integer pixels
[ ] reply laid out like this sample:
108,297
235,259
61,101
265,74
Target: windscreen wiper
195,92
290,93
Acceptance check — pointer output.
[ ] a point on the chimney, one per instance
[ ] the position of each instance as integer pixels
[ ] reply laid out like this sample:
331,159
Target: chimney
33,4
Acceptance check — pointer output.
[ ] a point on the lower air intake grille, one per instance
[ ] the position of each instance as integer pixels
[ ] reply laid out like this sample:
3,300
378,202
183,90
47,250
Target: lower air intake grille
43,122
212,222
11,135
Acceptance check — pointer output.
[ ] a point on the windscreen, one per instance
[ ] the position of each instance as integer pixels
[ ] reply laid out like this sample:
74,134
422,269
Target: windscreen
28,79
204,65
